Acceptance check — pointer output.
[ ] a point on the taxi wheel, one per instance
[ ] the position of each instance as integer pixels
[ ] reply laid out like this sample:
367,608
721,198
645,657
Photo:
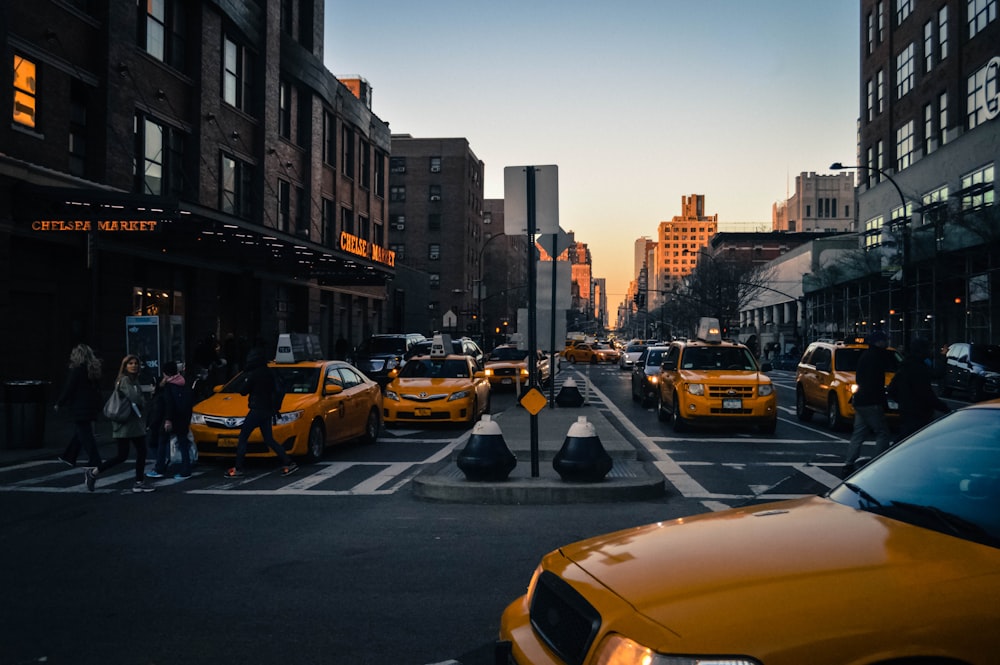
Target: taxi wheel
317,443
801,410
474,412
661,409
833,420
372,427
680,425
572,359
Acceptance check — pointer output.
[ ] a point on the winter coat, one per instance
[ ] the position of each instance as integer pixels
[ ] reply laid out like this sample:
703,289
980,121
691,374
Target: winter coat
911,387
135,426
870,377
178,399
258,383
80,396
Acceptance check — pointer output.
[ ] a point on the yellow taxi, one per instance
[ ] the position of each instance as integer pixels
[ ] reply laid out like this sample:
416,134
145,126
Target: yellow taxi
900,563
439,387
507,367
592,352
825,382
325,402
708,380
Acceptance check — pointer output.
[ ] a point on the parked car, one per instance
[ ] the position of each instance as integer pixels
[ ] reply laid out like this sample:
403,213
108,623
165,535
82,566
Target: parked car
709,380
900,563
646,375
630,354
825,383
326,402
437,387
380,354
507,366
973,369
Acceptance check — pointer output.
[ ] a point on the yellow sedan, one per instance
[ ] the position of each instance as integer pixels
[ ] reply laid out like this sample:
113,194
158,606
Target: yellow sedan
445,388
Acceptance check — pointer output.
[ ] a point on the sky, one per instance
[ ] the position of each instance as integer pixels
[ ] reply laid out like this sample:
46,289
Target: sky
638,102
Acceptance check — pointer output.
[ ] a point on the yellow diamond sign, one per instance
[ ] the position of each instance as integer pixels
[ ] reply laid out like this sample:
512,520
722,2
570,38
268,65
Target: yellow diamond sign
534,401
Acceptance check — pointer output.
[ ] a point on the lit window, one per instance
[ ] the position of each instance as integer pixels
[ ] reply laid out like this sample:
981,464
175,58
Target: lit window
903,9
904,70
978,189
983,101
904,146
981,13
25,89
236,75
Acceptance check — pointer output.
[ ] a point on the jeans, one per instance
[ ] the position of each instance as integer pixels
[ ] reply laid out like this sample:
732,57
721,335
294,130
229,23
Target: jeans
140,456
83,437
258,418
868,419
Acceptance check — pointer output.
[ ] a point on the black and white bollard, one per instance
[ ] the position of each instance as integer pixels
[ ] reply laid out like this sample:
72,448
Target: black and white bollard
582,458
569,395
486,456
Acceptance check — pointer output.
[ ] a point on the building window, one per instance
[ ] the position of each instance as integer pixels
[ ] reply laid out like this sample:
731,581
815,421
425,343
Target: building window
236,75
943,32
303,224
400,251
330,235
284,205
78,130
871,33
163,34
397,193
873,232
880,10
330,138
903,9
880,90
435,165
434,193
236,186
928,46
879,160
159,163
983,102
347,220
904,71
434,279
397,165
287,20
433,251
434,221
366,164
978,189
930,136
364,230
380,173
870,100
285,109
943,117
347,152
904,146
25,91
981,14
398,222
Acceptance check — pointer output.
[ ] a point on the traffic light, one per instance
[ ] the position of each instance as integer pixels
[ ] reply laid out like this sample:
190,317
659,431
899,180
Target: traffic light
639,299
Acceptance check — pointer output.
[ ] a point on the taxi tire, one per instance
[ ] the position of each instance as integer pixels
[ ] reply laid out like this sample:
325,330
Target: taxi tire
802,412
680,425
372,427
833,420
661,412
316,444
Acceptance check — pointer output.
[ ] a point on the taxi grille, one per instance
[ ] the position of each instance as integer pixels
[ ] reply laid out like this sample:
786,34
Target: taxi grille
563,618
224,422
505,371
720,392
423,398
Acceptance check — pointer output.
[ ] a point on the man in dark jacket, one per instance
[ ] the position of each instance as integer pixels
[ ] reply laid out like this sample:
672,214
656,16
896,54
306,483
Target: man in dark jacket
259,384
911,387
869,401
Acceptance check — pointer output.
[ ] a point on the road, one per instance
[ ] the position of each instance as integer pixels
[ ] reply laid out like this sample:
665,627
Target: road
338,564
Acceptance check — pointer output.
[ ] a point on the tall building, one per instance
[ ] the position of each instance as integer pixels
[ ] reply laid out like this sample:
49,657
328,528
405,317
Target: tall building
820,203
929,127
436,224
194,164
679,243
503,275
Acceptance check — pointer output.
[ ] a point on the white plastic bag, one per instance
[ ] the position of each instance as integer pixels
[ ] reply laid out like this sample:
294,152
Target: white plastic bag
175,451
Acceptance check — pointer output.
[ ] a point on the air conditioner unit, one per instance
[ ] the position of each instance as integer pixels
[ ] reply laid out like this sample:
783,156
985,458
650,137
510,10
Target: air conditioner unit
400,227
435,197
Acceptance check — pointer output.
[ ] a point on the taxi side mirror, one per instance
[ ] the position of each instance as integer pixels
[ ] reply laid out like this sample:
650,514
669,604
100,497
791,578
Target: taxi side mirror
668,366
217,389
332,389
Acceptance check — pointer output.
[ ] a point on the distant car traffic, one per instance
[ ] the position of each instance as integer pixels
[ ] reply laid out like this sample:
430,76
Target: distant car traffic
593,353
899,564
326,402
646,375
629,355
972,369
461,345
380,354
507,366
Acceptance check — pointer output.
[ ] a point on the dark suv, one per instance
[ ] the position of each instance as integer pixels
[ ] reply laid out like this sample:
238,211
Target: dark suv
973,369
462,346
380,354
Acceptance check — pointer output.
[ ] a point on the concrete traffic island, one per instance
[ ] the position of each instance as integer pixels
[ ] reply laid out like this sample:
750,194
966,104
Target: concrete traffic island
627,480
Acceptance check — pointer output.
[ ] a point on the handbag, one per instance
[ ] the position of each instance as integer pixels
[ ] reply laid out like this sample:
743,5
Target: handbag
175,450
118,408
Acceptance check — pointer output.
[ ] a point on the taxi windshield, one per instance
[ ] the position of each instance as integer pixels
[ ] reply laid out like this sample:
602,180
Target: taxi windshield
723,357
294,379
846,360
509,353
435,368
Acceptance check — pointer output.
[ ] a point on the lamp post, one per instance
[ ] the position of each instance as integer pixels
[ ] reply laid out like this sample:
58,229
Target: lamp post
479,289
904,222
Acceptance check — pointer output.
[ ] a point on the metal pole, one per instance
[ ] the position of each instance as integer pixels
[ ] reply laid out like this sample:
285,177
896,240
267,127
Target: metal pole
532,313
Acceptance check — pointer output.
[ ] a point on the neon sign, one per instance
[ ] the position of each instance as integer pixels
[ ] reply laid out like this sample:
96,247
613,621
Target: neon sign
127,226
369,250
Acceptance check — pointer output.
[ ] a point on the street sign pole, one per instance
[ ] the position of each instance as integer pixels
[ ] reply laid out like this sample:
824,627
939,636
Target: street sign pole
532,313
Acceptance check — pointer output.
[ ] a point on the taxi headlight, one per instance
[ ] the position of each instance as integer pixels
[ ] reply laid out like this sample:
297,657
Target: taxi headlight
653,378
854,388
391,394
765,389
617,650
489,371
197,418
524,371
461,394
287,417
696,389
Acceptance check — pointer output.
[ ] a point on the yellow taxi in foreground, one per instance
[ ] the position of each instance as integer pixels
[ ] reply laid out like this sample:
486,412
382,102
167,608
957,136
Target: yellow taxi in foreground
708,380
325,402
439,387
899,564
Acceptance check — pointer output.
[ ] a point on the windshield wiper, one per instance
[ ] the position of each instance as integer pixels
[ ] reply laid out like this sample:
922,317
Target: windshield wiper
955,524
868,498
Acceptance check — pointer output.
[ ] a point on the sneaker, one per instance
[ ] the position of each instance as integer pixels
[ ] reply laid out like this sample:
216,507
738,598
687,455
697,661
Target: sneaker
290,469
66,461
181,476
141,486
233,473
90,477
153,473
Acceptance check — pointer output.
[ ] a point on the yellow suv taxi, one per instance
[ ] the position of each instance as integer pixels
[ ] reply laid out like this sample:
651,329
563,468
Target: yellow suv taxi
825,382
708,380
325,402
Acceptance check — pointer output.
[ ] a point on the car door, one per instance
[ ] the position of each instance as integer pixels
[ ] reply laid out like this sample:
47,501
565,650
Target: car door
668,373
959,372
818,374
335,412
356,403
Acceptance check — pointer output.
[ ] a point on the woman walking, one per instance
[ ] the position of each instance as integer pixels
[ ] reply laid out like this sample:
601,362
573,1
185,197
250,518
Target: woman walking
81,396
131,431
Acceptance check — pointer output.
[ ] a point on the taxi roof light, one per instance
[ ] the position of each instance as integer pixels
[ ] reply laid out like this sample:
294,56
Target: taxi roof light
441,346
297,347
709,330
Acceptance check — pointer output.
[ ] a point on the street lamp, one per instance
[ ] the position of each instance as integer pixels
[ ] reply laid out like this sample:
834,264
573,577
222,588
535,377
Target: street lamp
904,222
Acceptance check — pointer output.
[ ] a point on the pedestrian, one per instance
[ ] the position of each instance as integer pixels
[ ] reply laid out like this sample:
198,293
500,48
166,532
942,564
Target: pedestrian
911,388
174,402
260,386
132,432
81,397
870,400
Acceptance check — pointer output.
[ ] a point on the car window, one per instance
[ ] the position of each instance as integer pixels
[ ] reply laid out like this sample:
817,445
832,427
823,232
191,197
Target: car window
821,356
987,355
655,357
451,368
846,360
634,348
299,379
709,358
508,353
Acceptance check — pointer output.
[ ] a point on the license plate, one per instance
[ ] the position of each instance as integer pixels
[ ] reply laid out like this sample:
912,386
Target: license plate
421,412
507,381
227,442
732,404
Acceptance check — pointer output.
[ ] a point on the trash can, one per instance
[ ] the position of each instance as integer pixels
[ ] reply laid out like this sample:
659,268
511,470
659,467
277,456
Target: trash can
24,414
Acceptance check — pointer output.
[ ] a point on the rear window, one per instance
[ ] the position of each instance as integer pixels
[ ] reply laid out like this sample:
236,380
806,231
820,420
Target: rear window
395,345
987,355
